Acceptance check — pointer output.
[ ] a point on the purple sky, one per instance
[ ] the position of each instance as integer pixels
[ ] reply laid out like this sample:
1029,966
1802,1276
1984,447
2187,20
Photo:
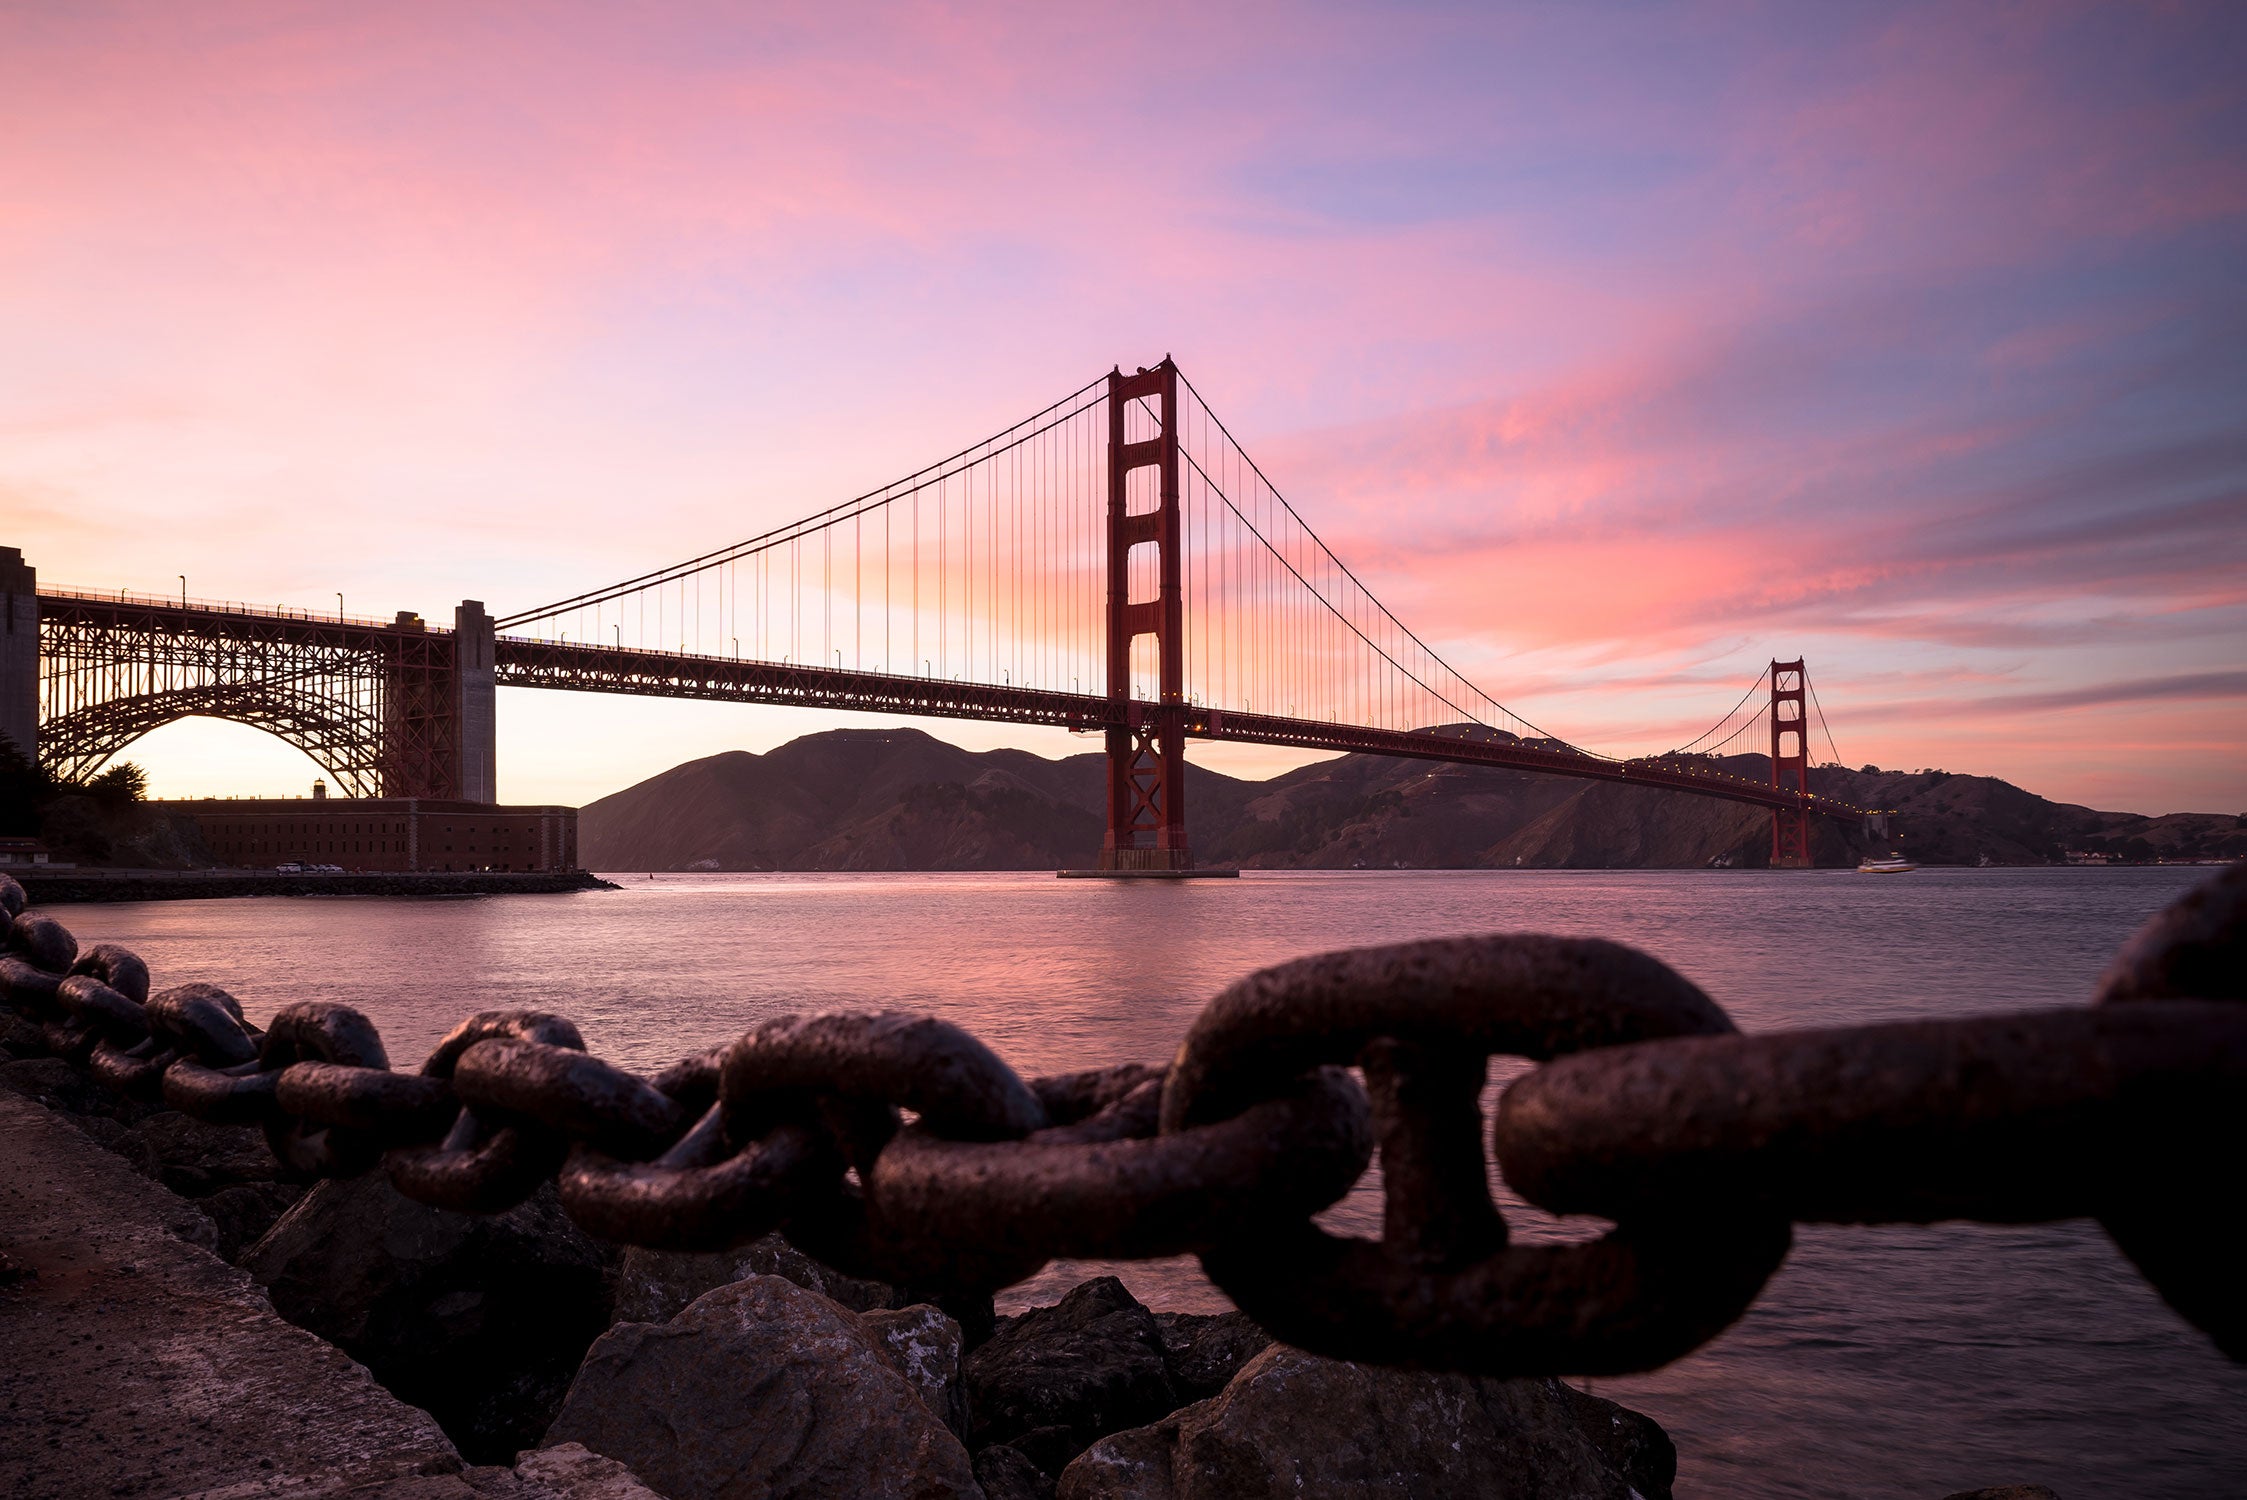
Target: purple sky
1621,347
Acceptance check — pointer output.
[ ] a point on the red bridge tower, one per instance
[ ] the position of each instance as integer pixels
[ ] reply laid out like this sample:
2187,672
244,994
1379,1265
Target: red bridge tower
1146,742
1790,768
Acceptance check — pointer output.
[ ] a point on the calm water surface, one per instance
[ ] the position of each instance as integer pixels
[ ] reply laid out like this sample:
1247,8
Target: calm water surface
1902,1363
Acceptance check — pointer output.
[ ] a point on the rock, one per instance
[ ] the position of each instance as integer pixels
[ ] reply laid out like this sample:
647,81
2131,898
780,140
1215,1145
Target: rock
2006,1492
1050,1448
1206,1350
60,1087
761,1389
1634,1442
1292,1424
1091,1364
20,1037
570,1471
244,1212
116,1135
137,1367
13,1270
1006,1474
195,1159
925,1346
479,1320
654,1286
565,1473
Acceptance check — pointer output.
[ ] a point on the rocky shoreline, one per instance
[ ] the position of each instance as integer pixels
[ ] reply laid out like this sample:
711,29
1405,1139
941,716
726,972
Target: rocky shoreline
622,1373
524,1360
61,887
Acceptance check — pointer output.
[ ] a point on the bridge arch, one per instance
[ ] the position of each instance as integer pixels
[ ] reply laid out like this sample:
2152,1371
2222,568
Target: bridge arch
337,739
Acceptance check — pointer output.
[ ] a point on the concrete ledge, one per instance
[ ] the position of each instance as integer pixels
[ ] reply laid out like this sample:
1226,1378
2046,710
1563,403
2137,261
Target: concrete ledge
62,887
134,1363
1146,874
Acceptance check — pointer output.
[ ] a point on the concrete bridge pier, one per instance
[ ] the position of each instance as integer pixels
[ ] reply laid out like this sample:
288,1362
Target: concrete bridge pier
19,653
475,710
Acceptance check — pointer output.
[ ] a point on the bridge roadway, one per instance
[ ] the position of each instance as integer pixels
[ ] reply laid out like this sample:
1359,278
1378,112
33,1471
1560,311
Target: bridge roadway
241,643
586,668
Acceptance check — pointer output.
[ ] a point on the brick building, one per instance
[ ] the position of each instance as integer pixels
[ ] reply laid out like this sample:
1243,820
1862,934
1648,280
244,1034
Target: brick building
384,833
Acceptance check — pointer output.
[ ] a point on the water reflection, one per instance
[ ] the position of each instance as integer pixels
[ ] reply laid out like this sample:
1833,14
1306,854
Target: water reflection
1901,1363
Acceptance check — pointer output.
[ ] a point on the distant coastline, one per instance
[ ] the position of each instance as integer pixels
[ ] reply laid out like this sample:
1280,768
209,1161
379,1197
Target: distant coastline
901,800
57,887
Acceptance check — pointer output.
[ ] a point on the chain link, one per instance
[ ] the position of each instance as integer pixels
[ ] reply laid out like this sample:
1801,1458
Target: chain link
901,1147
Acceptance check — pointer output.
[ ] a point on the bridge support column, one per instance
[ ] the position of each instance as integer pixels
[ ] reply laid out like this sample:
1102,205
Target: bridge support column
474,705
19,653
1146,742
1790,766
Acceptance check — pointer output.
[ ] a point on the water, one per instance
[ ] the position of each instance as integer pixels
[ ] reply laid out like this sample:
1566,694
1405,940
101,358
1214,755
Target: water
1892,1364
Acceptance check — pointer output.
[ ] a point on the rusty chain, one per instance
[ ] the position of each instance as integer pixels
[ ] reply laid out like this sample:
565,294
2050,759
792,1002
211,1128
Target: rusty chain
900,1147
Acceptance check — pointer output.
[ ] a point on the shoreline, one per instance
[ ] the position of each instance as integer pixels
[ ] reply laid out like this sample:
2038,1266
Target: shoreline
72,887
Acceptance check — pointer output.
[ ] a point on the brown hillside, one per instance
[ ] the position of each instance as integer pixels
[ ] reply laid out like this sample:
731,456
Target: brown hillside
903,800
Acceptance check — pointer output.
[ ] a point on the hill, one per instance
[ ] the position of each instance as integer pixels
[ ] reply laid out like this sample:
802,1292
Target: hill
904,800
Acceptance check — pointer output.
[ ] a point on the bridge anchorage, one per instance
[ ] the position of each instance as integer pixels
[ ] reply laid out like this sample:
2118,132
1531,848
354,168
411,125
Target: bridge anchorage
1115,563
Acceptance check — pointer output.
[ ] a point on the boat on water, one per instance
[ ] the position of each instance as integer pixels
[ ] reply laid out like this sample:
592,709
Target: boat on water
1893,864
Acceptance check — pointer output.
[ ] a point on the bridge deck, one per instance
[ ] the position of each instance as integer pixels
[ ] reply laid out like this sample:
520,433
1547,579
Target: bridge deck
579,667
572,666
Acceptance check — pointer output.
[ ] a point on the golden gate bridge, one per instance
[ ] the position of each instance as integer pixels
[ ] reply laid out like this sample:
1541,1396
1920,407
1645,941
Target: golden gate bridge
1115,563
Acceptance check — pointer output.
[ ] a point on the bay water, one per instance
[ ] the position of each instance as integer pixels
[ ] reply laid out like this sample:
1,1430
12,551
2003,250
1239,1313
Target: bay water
1879,1364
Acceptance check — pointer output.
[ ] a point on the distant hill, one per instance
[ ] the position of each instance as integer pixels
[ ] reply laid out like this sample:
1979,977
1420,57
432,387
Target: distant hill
900,799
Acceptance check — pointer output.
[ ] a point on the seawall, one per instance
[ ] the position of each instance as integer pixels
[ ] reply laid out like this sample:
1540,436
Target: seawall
61,887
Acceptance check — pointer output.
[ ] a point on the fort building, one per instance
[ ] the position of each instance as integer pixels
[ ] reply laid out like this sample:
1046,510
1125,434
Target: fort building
383,833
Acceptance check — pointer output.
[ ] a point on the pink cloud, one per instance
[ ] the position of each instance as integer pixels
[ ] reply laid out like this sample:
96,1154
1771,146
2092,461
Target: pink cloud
1595,343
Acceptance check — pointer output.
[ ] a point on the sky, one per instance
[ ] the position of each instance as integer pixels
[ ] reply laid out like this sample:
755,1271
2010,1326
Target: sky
1622,348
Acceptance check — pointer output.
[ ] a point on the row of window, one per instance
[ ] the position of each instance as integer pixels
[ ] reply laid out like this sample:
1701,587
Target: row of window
503,834
264,827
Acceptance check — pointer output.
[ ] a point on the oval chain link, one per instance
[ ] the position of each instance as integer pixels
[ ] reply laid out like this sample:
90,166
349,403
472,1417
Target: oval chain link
900,1146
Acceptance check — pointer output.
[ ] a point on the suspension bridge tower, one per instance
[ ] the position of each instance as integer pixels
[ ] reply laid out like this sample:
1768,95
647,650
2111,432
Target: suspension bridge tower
1146,741
1790,766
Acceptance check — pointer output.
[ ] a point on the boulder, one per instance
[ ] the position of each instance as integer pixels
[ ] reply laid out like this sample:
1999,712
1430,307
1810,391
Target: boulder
1204,1351
244,1212
61,1087
571,1471
115,1135
1006,1474
1050,1448
1292,1424
925,1346
761,1389
480,1320
1634,1443
1091,1364
654,1286
195,1159
20,1038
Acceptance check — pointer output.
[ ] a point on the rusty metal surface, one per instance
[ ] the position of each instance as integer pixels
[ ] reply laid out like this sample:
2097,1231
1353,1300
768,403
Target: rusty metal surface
902,1147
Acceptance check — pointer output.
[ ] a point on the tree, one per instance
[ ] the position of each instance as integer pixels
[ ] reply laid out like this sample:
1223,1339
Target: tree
24,789
120,786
